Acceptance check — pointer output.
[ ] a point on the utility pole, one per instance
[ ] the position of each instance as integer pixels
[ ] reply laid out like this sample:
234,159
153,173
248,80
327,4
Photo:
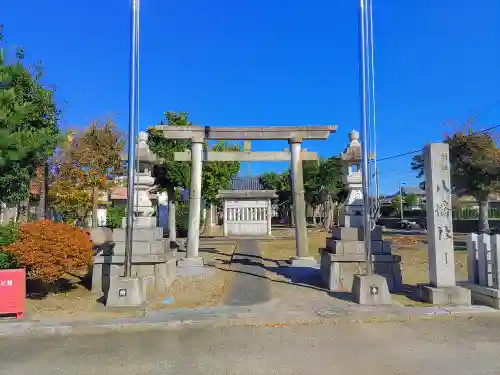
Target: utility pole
401,199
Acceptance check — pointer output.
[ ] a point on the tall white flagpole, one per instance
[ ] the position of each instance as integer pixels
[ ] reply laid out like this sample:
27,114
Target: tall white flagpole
132,126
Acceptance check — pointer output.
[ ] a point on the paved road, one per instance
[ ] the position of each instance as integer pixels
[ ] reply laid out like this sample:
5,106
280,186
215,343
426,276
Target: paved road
469,347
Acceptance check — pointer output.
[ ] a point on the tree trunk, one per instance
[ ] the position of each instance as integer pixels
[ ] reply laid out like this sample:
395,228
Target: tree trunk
95,196
328,214
22,211
206,223
172,231
315,210
483,223
42,209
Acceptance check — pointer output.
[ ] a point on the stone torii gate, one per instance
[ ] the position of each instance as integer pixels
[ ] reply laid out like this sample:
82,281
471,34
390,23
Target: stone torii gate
199,134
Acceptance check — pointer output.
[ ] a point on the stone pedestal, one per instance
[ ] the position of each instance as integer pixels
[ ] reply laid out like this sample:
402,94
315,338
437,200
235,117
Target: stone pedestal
445,295
371,290
483,295
126,292
344,257
190,262
152,261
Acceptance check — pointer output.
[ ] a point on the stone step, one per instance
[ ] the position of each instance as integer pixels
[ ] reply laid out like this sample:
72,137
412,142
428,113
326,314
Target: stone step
139,234
136,258
355,234
341,247
142,222
382,258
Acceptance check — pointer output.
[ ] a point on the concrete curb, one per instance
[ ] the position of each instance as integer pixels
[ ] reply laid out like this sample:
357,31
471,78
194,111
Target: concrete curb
263,316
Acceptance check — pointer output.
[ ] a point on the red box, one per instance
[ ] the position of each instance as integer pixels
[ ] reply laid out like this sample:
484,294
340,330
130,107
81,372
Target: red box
13,292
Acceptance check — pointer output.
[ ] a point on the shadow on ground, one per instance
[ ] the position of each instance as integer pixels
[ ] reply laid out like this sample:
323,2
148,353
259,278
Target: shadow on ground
37,290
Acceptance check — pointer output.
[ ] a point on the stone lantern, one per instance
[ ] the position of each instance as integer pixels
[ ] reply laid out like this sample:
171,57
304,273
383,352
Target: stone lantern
344,254
153,262
144,211
352,215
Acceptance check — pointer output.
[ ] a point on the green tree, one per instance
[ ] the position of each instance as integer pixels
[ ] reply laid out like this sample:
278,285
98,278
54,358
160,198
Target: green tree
28,125
322,185
474,168
98,152
217,176
270,180
411,200
84,166
396,204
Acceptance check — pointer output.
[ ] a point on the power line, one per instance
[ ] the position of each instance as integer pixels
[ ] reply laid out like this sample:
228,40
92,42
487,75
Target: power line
421,149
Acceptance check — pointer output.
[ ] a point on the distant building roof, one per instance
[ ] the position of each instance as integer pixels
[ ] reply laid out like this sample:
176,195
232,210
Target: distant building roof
413,190
409,190
246,183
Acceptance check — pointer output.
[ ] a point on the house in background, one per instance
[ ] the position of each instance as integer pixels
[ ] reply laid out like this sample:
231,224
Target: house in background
407,190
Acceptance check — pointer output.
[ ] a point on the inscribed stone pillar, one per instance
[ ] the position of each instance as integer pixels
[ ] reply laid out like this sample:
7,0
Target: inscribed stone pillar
299,205
495,260
442,289
439,215
472,258
484,260
192,257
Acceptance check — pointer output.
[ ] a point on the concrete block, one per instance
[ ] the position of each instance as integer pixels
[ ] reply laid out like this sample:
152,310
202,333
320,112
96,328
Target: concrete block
139,234
472,254
342,247
347,234
495,261
371,290
142,222
303,262
392,273
337,272
126,292
136,259
165,274
355,234
483,295
143,270
190,262
383,247
142,248
380,257
484,260
449,295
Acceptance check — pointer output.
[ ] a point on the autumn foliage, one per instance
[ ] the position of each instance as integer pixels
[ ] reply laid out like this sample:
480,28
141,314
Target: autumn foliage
48,250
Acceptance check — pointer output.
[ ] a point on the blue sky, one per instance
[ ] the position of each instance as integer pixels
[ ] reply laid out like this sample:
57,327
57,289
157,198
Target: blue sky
273,63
